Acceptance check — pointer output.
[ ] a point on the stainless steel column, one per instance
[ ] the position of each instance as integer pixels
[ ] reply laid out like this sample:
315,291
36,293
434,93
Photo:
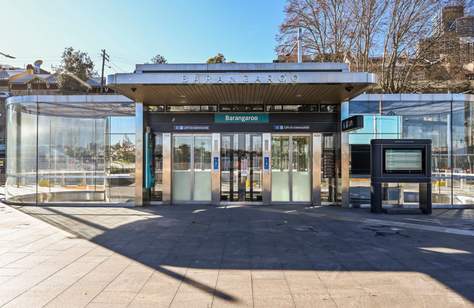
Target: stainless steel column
267,169
345,160
139,133
167,168
316,174
216,169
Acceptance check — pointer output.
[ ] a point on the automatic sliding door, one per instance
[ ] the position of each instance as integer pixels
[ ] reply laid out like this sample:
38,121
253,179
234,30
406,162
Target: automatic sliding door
291,172
182,181
202,168
281,168
300,171
191,168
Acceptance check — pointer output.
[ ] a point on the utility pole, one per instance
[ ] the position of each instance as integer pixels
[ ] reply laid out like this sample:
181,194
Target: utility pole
105,57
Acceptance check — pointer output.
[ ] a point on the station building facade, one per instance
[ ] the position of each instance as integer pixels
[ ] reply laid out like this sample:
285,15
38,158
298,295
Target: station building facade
226,134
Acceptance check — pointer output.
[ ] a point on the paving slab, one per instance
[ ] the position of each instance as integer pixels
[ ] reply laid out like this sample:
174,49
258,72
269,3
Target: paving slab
234,256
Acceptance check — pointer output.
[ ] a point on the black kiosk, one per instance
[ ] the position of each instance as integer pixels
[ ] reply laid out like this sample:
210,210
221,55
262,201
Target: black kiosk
400,161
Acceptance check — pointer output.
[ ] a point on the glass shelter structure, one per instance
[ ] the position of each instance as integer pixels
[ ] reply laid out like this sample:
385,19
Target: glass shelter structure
227,133
77,148
446,119
230,133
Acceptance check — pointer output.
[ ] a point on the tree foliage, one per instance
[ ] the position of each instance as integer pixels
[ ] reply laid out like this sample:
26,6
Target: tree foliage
219,58
159,59
75,65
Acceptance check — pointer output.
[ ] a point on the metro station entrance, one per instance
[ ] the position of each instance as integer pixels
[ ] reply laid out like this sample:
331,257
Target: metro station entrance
241,167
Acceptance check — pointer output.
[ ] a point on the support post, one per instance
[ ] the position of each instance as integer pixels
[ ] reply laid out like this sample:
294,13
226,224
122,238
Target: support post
216,169
267,168
317,154
345,175
139,133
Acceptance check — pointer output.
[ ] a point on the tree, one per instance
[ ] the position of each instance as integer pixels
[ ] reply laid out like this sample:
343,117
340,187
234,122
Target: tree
75,66
326,28
158,59
381,36
409,23
219,58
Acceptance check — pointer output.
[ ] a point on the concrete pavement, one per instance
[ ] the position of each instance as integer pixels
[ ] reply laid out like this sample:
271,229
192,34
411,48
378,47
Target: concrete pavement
203,256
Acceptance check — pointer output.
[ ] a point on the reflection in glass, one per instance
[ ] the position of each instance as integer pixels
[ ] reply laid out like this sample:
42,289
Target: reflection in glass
182,173
191,168
68,151
291,181
301,177
280,168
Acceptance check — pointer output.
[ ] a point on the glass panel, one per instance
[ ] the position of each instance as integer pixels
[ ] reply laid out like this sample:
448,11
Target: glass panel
202,168
227,170
157,191
21,153
328,166
463,152
255,182
301,177
280,168
182,173
73,154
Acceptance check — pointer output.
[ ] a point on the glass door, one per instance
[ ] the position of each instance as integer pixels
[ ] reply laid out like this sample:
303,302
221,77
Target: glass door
300,171
281,168
191,175
157,189
291,172
241,167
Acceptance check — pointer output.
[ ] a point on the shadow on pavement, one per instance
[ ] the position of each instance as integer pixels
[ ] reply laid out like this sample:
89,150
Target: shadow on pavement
282,237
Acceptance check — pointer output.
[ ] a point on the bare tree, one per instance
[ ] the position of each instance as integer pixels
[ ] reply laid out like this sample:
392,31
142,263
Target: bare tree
326,28
371,35
368,21
409,22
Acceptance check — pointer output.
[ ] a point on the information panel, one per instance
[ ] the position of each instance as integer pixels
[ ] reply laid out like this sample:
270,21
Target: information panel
403,161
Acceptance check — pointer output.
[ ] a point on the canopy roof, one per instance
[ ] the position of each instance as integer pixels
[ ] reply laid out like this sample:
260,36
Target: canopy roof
241,83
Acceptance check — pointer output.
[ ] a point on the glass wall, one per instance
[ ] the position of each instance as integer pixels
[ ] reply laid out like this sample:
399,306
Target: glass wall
70,149
444,118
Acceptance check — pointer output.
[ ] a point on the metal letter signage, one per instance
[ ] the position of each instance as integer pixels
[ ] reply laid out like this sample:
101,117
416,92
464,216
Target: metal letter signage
241,118
237,78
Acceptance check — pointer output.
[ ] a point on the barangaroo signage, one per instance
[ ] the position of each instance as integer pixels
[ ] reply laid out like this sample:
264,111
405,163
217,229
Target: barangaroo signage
241,118
239,78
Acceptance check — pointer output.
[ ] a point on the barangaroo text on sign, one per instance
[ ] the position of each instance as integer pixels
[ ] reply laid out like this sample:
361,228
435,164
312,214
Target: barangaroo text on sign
240,78
241,118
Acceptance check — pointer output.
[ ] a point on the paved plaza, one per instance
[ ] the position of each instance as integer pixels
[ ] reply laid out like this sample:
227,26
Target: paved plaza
242,256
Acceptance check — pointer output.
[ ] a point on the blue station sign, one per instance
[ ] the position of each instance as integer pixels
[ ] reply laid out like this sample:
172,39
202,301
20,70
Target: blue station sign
241,118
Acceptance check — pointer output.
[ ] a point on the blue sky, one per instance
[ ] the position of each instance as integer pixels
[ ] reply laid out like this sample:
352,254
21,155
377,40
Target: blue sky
184,31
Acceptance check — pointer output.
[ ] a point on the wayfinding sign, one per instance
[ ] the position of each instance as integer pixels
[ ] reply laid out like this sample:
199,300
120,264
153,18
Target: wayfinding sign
352,123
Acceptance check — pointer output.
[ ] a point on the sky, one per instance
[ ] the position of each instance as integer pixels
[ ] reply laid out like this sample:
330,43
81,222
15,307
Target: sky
183,31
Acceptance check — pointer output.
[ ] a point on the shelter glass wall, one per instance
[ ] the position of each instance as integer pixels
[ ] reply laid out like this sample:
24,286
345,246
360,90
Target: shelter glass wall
70,149
445,119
